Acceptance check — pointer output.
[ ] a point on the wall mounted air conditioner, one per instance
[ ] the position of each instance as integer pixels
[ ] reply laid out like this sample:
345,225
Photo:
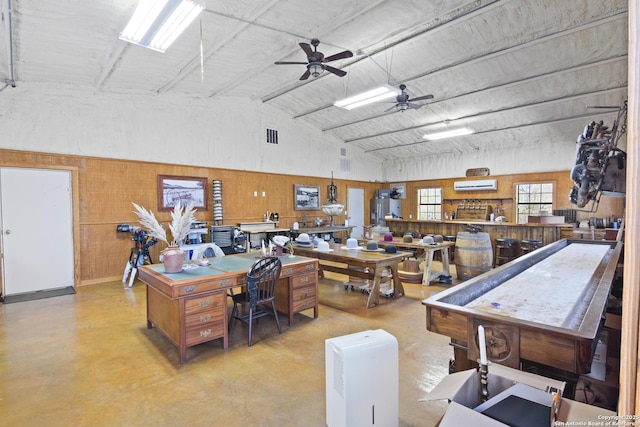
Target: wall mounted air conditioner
481,184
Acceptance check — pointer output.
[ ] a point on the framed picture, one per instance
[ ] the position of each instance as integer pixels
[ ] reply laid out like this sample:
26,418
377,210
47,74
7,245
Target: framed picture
306,197
182,189
400,189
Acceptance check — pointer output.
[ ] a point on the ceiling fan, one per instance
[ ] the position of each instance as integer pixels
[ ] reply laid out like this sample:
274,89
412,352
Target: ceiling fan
316,62
403,102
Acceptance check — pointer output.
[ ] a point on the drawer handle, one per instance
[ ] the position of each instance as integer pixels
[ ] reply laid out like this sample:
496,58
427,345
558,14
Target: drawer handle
190,289
304,280
225,282
204,303
205,318
311,267
205,333
288,271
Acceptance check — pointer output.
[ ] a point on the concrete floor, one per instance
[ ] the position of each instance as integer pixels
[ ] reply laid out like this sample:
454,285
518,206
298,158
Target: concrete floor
89,360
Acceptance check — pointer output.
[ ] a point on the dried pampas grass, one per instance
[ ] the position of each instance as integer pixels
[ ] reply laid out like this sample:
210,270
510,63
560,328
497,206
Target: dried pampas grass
181,220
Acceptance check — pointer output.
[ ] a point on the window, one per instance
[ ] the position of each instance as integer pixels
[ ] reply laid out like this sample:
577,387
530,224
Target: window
430,203
533,199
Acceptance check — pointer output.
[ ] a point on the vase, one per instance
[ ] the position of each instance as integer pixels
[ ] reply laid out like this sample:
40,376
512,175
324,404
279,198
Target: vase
172,258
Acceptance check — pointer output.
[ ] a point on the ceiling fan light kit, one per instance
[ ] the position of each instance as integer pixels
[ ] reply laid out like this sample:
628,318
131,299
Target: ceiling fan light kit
374,95
448,134
156,24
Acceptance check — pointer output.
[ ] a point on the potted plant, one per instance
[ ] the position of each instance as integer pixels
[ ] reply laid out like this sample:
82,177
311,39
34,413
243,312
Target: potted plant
181,220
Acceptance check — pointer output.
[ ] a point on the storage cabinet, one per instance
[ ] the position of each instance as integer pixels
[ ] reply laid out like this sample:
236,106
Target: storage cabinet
302,293
190,320
205,318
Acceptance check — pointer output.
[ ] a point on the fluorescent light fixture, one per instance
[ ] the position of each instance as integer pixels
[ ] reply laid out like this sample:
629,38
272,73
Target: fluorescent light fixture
373,95
157,23
448,134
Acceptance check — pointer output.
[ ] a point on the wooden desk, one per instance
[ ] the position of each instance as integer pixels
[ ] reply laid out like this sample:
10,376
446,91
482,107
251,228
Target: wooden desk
425,253
370,266
543,308
190,307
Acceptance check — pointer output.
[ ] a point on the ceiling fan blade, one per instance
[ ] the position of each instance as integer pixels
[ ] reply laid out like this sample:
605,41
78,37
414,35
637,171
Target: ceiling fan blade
421,98
307,48
288,62
306,75
335,71
414,106
395,106
341,55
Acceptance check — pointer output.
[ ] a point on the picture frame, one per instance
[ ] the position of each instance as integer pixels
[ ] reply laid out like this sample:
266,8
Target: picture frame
400,187
174,189
306,197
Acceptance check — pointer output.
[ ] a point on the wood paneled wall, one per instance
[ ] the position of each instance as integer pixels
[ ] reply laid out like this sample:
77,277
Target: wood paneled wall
108,186
506,194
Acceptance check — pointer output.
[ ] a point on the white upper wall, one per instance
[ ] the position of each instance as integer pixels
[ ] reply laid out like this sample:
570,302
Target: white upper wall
541,158
225,134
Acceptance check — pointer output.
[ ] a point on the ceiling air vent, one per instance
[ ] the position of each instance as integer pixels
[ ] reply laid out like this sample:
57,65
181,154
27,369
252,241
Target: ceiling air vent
478,185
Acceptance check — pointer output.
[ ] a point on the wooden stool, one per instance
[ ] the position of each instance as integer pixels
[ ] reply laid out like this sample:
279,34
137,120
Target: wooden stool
452,249
528,245
505,250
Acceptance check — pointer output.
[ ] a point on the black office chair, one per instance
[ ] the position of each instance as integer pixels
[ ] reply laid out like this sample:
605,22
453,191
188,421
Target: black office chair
260,292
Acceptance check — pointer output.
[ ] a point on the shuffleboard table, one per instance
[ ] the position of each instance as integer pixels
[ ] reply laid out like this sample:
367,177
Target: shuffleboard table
544,309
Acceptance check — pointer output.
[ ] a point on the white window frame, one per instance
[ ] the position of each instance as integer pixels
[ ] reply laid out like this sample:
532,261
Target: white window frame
433,211
542,196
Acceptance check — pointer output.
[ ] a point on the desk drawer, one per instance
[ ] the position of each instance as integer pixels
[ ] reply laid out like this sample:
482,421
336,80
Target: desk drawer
210,303
203,317
303,280
210,285
298,269
304,298
205,332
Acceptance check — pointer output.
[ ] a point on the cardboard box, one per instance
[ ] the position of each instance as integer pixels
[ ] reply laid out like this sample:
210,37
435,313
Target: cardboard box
462,389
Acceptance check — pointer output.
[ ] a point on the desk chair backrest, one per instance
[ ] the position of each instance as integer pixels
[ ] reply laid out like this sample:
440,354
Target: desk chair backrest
262,280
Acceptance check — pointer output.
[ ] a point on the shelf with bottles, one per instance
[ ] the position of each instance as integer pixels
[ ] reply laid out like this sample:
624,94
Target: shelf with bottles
475,208
476,200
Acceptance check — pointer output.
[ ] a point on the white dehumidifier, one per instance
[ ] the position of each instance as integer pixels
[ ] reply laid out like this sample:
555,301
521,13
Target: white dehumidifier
361,373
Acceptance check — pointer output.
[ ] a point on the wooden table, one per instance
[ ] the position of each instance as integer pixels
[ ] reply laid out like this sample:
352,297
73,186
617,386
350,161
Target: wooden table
323,230
425,253
190,307
359,263
544,309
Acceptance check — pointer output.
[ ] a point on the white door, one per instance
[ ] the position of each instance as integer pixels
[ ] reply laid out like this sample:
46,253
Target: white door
36,220
355,205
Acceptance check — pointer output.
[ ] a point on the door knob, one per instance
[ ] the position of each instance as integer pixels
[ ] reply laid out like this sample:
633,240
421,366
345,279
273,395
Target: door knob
7,232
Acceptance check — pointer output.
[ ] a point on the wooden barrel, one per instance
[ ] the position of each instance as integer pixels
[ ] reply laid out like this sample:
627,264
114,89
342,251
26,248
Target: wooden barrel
409,271
474,254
